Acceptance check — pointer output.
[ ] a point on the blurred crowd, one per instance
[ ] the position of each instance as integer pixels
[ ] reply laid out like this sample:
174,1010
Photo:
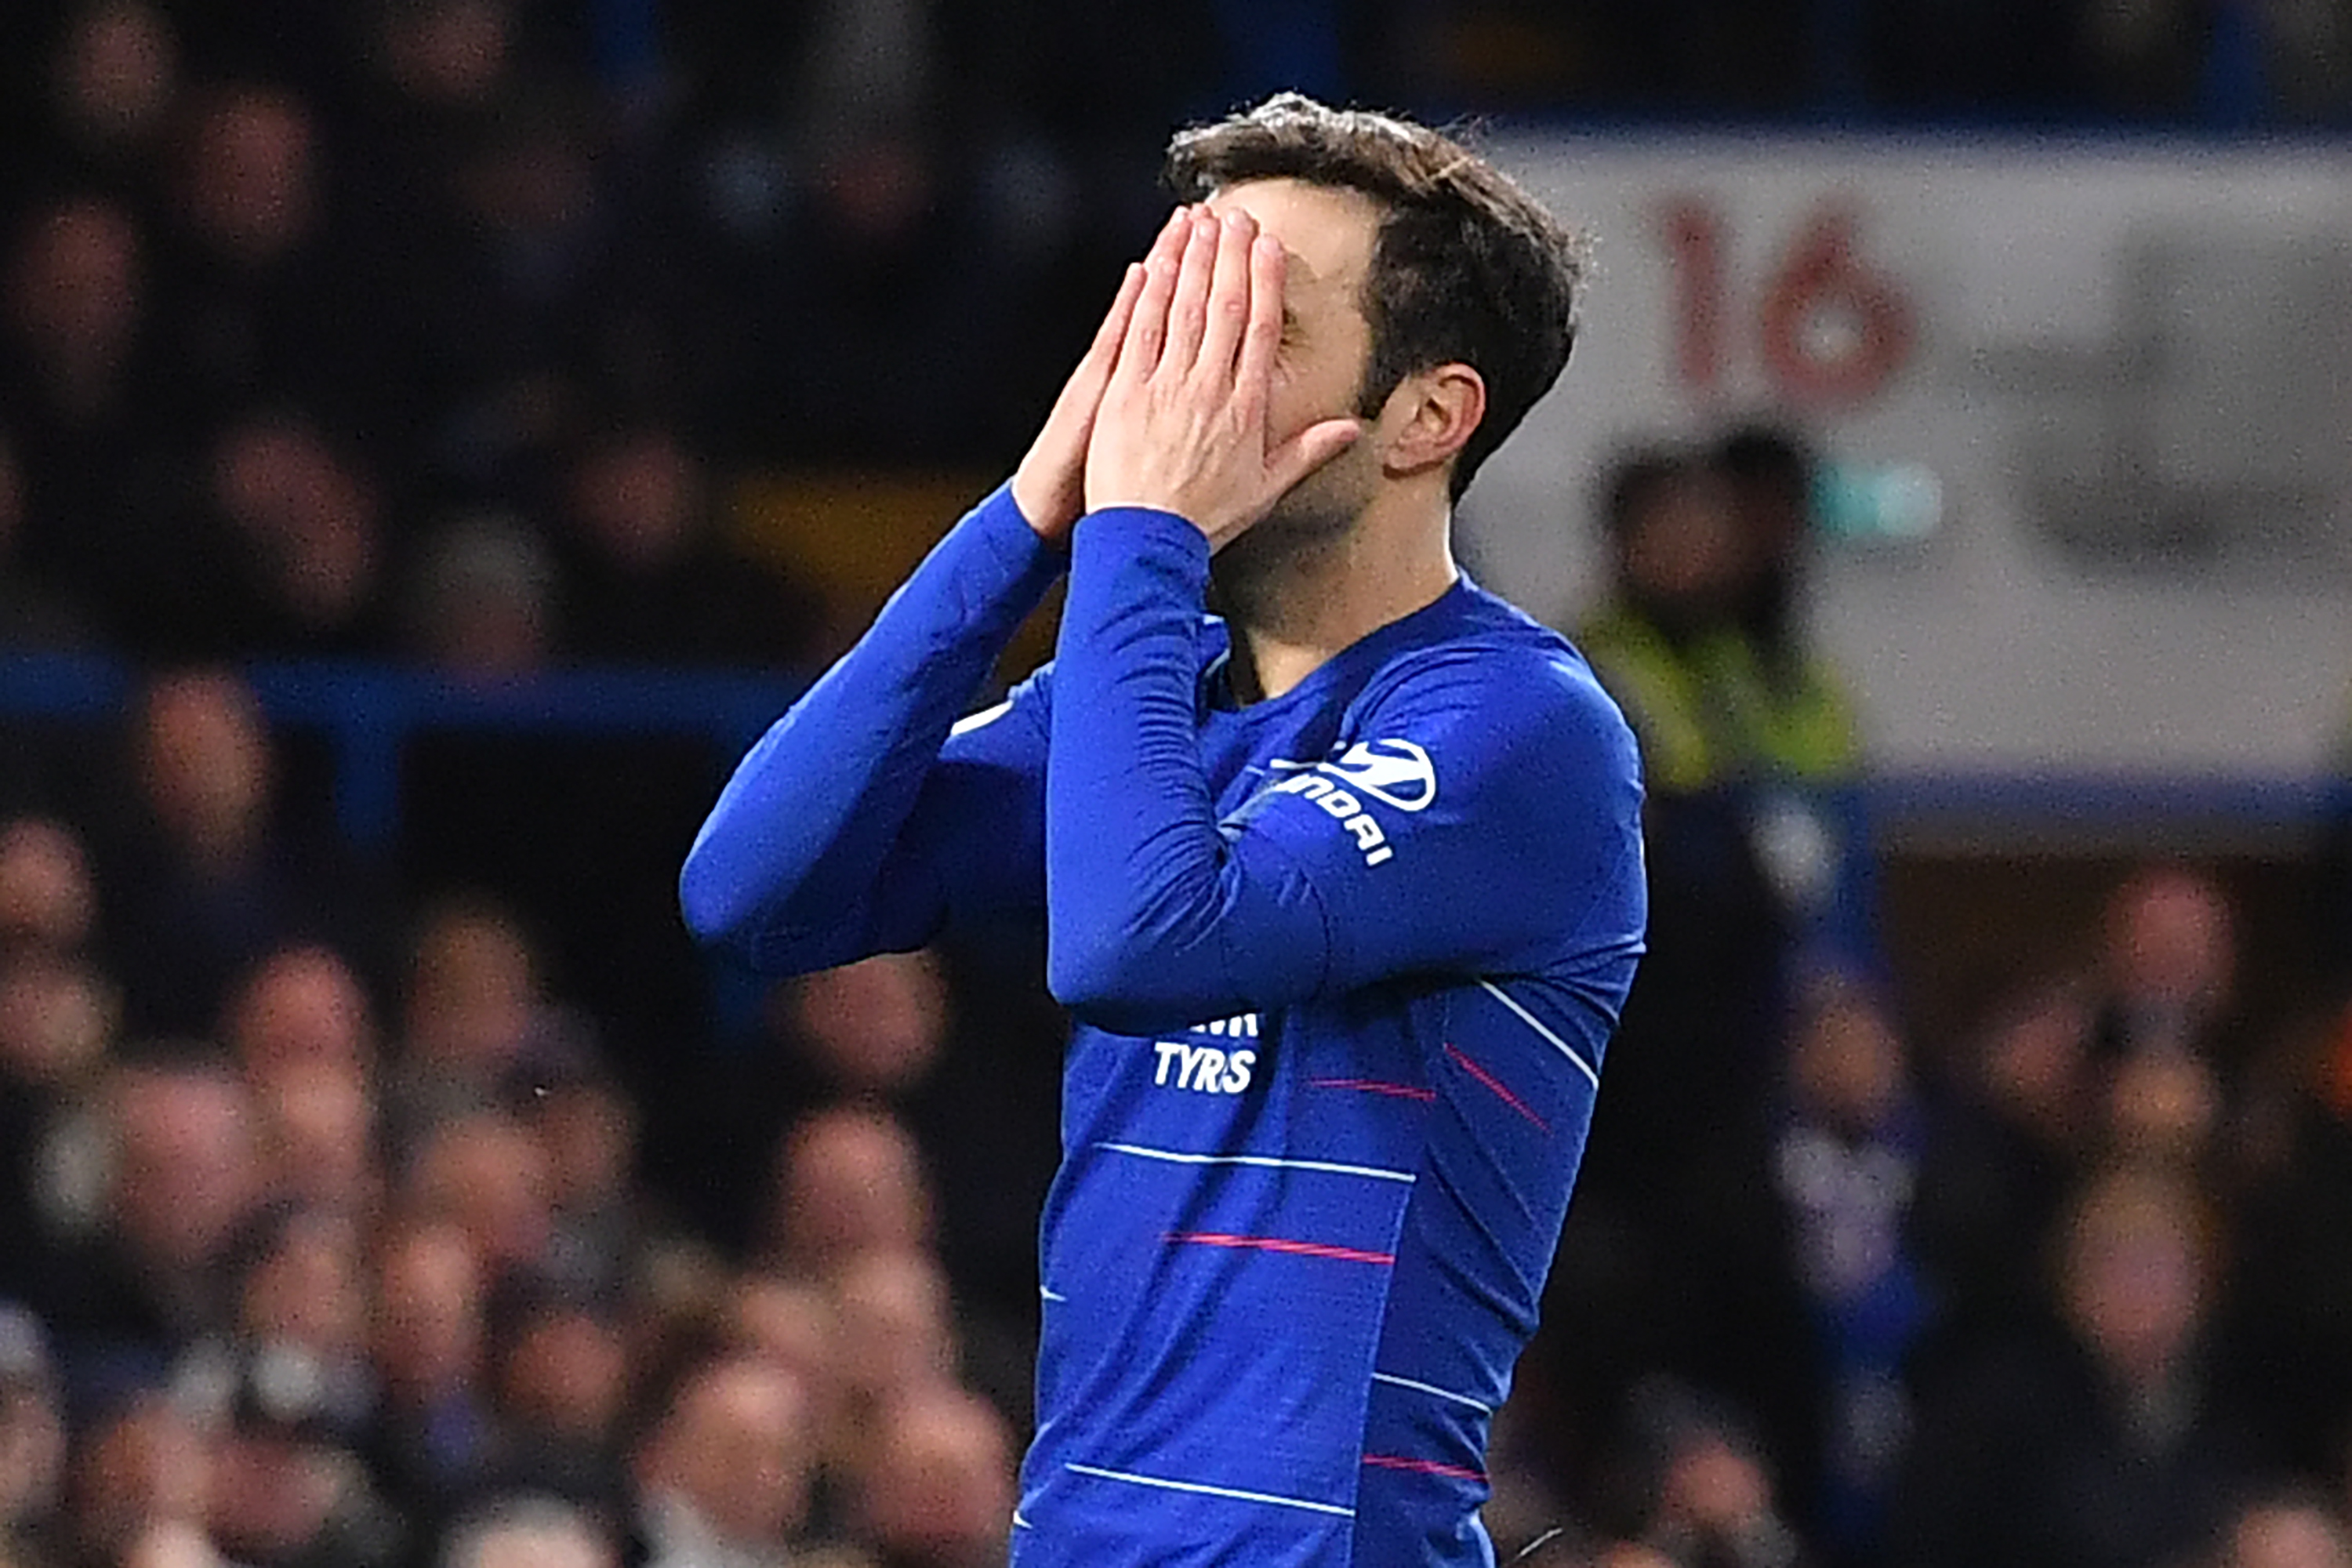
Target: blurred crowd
428,1204
327,1244
2069,1290
437,326
440,327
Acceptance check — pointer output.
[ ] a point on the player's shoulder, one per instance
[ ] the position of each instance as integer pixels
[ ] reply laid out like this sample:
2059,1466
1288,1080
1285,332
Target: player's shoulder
1493,659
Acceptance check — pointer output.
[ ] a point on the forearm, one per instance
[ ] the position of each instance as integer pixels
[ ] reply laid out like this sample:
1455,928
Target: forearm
1155,919
790,866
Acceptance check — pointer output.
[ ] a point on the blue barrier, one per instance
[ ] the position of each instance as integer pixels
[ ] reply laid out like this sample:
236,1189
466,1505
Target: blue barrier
371,712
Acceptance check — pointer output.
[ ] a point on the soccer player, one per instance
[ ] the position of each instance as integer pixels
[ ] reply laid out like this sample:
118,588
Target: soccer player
1343,889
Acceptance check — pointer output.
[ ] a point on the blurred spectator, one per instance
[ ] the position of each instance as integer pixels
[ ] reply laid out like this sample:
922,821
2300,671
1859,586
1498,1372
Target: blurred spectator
56,1022
2286,1530
529,1532
1769,473
141,1479
1847,1164
76,302
308,530
1746,748
2110,1441
300,1006
486,1174
563,1382
939,1493
433,1435
1679,563
285,1491
215,877
893,1337
148,1298
2168,964
723,1478
847,1182
428,71
2116,1063
474,1000
482,603
320,1127
1673,647
587,1130
1704,646
872,1028
253,304
114,71
795,1325
206,764
251,186
526,289
676,1313
104,518
961,1046
444,53
475,1014
647,579
32,1438
1711,1502
304,1300
56,1018
48,900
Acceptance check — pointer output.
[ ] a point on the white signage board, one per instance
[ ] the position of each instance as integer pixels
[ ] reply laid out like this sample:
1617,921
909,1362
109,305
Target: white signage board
2127,366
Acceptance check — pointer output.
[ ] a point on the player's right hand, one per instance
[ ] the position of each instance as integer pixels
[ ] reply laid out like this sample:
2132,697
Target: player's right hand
1050,485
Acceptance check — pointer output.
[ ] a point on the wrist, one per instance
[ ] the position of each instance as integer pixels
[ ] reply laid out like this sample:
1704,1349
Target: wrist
1139,525
1049,513
1140,501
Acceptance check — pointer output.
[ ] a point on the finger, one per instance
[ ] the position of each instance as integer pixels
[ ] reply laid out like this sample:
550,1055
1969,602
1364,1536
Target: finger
1188,310
1254,373
1229,294
1103,352
1147,323
1309,450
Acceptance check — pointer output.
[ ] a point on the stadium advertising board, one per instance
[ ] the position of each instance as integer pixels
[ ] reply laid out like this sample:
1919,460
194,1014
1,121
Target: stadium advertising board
2088,407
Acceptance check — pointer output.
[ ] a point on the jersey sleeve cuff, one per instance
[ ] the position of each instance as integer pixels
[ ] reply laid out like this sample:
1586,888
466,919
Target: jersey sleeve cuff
1027,565
1123,533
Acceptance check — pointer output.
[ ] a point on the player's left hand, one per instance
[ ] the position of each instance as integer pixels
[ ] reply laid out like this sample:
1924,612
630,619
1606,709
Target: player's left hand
1183,427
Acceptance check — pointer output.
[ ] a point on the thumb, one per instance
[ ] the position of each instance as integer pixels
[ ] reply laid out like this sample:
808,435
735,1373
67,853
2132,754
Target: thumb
1309,450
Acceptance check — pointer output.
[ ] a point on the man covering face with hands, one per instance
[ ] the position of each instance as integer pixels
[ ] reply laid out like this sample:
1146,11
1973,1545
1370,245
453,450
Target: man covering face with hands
1343,885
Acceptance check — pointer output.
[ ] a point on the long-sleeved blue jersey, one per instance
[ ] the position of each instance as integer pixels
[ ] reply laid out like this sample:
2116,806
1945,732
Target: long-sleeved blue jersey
1342,963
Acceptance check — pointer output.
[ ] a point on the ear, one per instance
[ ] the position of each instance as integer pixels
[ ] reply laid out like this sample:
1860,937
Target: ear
1429,419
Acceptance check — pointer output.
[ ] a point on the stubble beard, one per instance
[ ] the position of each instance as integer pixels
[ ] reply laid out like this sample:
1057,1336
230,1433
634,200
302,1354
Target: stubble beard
1313,516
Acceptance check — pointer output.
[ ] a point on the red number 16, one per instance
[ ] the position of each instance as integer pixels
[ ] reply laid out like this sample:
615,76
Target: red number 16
1828,330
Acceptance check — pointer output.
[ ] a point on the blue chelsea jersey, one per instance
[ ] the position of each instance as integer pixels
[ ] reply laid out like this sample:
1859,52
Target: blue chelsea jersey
1343,963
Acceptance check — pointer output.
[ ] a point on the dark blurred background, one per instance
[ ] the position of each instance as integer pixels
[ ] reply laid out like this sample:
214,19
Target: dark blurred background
437,436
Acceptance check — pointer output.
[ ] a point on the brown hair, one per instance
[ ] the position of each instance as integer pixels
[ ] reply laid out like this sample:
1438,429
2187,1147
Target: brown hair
1467,267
